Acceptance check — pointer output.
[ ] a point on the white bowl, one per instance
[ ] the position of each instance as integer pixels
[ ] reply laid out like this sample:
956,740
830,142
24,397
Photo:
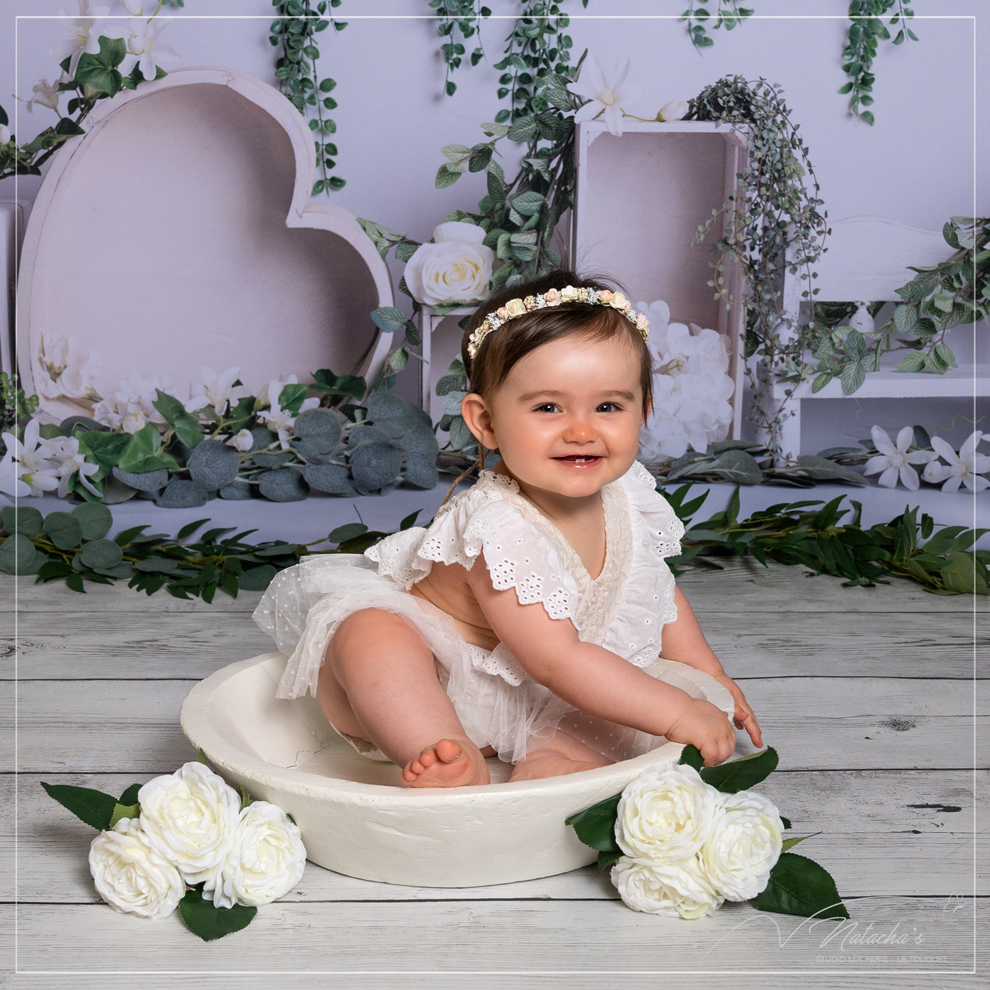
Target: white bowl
355,817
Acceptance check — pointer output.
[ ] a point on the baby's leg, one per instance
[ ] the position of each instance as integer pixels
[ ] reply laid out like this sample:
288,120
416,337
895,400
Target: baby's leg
563,754
379,682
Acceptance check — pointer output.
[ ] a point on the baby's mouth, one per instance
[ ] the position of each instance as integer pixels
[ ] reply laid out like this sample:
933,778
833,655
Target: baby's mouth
580,459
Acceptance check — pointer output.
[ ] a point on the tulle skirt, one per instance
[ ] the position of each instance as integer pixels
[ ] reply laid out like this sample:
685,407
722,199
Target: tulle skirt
305,604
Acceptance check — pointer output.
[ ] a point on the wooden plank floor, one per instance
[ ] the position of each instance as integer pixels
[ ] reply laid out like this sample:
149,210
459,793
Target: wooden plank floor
868,695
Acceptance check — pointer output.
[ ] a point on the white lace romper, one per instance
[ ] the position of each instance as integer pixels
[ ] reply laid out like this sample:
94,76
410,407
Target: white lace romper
498,704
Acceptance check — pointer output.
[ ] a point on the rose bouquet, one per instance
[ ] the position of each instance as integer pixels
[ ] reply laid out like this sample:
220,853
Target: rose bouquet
188,840
681,839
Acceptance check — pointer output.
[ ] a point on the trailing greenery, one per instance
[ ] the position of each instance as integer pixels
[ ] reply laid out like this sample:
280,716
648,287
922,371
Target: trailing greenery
458,18
775,223
728,15
299,79
824,542
74,547
940,296
866,30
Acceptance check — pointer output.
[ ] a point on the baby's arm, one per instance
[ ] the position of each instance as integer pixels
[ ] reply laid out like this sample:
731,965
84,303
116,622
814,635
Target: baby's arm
595,680
684,641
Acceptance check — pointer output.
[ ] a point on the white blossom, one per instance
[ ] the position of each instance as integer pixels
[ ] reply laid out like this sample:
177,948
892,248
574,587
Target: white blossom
67,460
243,440
676,888
964,468
277,419
674,110
606,94
46,94
143,47
4,134
10,482
691,387
135,397
895,461
217,390
31,464
84,36
66,370
457,265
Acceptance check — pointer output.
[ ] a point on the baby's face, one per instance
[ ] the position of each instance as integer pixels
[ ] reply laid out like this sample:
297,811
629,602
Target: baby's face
568,415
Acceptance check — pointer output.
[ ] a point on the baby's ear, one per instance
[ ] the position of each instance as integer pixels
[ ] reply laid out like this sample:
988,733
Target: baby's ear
478,418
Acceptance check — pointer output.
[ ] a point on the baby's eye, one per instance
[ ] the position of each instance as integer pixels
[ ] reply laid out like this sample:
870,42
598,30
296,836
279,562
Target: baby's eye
546,407
608,407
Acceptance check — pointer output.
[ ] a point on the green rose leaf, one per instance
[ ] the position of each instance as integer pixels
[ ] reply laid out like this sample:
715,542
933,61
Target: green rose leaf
123,811
95,520
130,796
800,886
93,807
595,826
209,922
691,756
102,553
23,519
741,774
64,530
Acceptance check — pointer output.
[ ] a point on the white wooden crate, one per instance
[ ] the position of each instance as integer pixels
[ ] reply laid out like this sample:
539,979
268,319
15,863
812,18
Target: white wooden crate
640,198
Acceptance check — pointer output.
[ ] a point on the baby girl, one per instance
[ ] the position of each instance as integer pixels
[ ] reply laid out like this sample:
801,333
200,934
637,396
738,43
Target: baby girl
536,617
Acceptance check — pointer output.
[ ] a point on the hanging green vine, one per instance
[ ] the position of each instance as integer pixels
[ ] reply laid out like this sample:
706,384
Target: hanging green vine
299,79
459,18
729,14
776,224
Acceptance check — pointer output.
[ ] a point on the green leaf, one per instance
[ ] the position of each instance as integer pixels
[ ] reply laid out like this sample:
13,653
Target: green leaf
190,528
738,775
105,449
185,427
144,453
95,520
130,796
800,886
93,807
257,578
445,177
347,532
209,922
19,556
853,376
912,361
691,756
102,553
595,826
23,519
64,530
123,811
388,318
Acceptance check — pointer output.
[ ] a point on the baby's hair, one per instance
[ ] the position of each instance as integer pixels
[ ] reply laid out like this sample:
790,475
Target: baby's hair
505,347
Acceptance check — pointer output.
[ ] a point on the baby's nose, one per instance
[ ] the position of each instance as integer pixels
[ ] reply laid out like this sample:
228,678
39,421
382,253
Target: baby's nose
580,430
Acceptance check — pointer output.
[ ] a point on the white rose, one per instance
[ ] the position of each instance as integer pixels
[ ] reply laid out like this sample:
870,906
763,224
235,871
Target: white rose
130,876
744,845
672,889
190,817
665,813
265,861
457,266
674,110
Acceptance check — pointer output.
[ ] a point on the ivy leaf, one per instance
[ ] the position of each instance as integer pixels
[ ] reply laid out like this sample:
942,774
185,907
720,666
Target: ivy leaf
209,922
800,886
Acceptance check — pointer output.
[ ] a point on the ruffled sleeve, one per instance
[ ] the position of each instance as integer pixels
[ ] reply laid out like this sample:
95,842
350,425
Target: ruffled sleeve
483,521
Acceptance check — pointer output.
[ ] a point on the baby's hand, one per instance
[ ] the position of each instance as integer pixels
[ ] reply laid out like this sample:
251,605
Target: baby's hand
744,717
707,727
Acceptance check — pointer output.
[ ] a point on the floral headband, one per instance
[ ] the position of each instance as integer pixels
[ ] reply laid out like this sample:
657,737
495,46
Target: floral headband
554,297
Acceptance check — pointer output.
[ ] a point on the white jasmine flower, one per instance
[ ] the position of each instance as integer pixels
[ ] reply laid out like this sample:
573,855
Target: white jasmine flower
67,460
277,419
606,94
105,412
243,440
895,462
217,390
46,94
674,110
189,817
144,49
33,467
966,467
130,876
4,134
84,35
266,859
133,422
10,482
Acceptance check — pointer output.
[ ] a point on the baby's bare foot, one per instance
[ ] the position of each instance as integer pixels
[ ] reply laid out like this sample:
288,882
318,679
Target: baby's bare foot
449,763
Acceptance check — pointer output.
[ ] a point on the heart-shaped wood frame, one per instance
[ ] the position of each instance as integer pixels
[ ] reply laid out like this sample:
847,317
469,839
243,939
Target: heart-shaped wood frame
179,232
